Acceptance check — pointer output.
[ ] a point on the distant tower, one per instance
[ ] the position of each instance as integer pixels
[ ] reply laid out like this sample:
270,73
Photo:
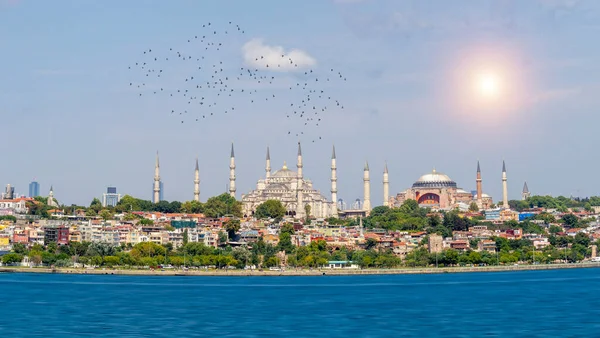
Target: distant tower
525,194
50,200
367,189
268,167
479,191
232,173
157,180
504,187
386,187
300,202
197,182
334,181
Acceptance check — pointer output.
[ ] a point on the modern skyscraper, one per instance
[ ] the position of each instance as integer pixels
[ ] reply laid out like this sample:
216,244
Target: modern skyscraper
34,189
110,198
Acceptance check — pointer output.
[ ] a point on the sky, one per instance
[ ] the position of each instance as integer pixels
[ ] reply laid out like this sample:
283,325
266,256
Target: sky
413,98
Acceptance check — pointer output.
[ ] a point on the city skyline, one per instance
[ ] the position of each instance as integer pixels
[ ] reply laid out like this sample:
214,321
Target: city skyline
400,105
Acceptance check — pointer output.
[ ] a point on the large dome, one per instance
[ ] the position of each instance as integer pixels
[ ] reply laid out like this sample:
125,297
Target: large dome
434,180
284,172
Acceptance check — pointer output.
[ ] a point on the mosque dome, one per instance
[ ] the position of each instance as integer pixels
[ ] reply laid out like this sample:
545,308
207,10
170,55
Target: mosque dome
284,172
434,180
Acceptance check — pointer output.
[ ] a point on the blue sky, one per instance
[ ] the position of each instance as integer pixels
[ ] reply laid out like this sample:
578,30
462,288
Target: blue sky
70,118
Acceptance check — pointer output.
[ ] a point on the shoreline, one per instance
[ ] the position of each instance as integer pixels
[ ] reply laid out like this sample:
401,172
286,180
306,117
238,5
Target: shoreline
302,272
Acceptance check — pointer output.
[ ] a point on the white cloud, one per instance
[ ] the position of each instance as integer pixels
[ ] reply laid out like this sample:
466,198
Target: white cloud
259,55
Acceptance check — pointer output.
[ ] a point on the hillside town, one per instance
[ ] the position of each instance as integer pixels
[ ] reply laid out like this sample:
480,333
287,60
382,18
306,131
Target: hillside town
215,234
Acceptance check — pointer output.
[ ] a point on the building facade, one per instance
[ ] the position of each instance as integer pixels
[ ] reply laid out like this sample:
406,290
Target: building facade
438,191
34,189
111,197
292,189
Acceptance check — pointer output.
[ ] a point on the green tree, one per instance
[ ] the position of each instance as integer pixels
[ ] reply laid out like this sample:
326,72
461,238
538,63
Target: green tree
285,243
232,226
192,207
91,213
570,220
270,209
146,221
96,205
100,249
106,214
222,205
554,229
129,217
148,249
186,237
306,211
12,258
473,207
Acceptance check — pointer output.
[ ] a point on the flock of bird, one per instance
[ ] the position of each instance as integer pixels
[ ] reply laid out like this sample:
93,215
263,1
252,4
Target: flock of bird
198,84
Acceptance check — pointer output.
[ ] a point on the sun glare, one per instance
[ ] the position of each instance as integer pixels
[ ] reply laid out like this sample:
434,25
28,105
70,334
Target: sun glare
488,85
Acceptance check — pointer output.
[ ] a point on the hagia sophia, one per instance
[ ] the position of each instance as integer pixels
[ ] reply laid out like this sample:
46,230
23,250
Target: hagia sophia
433,190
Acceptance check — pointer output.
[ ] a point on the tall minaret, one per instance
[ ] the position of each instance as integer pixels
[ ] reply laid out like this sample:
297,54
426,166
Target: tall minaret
268,167
50,200
479,192
232,173
525,194
157,180
197,183
504,187
367,189
386,187
334,181
300,202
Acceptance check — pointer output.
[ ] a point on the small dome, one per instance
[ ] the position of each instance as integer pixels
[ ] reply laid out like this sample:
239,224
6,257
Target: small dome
434,180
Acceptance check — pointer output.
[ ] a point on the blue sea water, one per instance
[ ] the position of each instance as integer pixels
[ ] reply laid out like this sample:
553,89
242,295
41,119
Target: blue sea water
555,303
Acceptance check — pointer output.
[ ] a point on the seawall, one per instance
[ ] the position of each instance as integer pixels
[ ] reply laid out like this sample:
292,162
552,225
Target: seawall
298,272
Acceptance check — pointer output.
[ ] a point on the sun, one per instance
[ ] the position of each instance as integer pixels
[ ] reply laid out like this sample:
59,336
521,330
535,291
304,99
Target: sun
488,85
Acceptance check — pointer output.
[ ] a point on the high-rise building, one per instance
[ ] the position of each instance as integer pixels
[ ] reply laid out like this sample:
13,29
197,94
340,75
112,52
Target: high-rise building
34,189
110,198
10,192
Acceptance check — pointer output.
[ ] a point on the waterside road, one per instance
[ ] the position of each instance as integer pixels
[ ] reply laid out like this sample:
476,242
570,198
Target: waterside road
298,272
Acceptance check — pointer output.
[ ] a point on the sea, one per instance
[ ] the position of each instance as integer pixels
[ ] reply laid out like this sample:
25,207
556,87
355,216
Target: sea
551,303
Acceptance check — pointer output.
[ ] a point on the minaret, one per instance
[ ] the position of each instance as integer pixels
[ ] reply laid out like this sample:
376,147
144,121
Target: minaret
479,192
157,180
268,167
197,183
367,189
386,187
504,187
525,194
50,200
232,173
300,201
334,181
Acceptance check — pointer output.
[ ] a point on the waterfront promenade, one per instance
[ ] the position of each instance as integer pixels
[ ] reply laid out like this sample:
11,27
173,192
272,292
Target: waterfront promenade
297,272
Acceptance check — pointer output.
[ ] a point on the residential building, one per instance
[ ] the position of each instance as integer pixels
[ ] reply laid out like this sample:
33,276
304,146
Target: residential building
56,234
